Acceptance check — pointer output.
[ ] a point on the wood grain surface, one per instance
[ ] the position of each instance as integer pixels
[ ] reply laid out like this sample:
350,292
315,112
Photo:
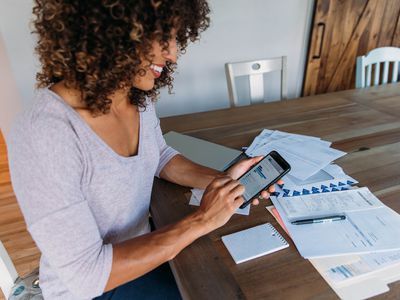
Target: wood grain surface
341,31
365,123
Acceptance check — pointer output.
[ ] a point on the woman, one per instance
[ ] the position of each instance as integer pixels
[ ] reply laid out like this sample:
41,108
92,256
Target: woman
83,158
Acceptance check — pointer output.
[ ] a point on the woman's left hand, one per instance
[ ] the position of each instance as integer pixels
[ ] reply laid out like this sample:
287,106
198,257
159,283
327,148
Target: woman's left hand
242,167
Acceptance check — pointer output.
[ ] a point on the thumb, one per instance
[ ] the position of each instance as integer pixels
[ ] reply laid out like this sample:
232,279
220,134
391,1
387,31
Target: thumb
255,159
247,163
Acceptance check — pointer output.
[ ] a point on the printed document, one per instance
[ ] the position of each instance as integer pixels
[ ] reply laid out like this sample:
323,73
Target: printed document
362,265
355,276
329,179
319,205
305,154
369,226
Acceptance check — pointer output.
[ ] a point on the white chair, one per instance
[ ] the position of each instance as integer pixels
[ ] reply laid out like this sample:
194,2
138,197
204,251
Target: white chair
255,70
8,273
374,58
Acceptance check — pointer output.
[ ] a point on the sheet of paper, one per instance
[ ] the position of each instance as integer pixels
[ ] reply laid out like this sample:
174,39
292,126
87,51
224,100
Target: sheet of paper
306,155
355,276
360,287
363,231
267,136
364,264
259,140
329,179
275,214
293,138
197,194
316,205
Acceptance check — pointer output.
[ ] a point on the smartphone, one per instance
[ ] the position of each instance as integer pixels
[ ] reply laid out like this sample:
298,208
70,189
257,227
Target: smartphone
262,175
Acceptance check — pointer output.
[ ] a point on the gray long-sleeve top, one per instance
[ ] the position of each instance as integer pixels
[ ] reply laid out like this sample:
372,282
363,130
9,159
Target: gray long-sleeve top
77,195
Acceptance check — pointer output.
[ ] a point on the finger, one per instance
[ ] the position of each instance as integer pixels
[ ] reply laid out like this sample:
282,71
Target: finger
257,159
237,191
237,202
280,181
271,189
265,194
221,181
230,185
255,201
251,161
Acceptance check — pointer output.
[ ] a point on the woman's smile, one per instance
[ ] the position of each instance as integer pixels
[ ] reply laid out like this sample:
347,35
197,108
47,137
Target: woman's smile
156,69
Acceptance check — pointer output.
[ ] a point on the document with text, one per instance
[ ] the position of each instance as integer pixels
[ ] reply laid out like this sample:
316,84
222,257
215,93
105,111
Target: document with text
369,226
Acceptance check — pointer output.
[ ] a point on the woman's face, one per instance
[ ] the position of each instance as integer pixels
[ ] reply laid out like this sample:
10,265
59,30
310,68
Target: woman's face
160,58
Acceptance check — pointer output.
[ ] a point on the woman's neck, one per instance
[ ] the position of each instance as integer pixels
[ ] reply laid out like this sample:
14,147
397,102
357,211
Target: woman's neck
74,97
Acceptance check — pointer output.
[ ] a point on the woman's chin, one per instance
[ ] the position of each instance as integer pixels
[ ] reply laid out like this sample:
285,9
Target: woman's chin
145,86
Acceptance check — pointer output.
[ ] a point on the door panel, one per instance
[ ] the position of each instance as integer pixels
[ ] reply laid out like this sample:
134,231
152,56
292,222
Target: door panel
352,28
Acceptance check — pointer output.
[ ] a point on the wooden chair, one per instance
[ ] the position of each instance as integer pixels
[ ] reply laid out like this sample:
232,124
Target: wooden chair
374,58
255,70
8,273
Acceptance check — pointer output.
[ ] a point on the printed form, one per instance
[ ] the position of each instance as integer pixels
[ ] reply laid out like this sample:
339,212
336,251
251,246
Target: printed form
369,226
362,265
317,205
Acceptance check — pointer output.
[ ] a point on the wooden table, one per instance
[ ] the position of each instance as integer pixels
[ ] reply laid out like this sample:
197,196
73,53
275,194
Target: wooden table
365,123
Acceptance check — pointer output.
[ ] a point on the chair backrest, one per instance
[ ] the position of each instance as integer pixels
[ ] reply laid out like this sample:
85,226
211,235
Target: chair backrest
374,58
8,273
255,70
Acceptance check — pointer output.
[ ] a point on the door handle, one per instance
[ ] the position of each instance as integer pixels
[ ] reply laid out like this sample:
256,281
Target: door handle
320,38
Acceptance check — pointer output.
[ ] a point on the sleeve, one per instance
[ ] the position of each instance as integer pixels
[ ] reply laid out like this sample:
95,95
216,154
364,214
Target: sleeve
166,152
46,167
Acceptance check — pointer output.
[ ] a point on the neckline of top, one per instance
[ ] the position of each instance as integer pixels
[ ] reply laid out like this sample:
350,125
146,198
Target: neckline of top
94,135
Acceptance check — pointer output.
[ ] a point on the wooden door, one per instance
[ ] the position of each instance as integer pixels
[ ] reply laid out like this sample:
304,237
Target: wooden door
341,31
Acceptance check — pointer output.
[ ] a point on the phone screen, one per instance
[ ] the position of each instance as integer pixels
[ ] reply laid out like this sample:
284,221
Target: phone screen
262,174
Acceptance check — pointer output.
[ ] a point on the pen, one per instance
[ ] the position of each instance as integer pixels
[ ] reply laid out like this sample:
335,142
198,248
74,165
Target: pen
326,219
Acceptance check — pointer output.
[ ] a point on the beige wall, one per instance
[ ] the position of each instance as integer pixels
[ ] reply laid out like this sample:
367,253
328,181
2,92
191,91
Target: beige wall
10,103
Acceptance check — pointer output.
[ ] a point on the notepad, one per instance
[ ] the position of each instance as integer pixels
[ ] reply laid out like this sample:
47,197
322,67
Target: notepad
254,242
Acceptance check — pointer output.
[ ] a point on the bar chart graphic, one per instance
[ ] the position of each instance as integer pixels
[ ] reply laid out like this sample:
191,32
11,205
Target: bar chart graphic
258,178
259,171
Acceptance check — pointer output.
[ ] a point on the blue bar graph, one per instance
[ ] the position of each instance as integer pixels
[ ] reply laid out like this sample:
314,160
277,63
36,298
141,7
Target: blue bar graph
258,170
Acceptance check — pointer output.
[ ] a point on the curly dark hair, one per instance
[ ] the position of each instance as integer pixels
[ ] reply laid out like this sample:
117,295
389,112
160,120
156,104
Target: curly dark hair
96,46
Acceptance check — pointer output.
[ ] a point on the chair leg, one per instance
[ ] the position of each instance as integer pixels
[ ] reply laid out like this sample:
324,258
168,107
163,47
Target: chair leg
8,273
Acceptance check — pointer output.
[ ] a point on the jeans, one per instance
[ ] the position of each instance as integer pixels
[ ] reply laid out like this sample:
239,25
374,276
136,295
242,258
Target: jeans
158,284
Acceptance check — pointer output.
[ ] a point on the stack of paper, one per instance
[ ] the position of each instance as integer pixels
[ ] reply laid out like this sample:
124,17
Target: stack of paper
358,256
306,155
360,276
355,276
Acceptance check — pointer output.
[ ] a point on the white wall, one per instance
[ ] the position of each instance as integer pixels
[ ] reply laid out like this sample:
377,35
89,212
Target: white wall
10,102
15,17
240,30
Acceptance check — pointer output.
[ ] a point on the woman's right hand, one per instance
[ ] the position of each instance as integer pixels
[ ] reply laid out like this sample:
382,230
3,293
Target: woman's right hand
222,197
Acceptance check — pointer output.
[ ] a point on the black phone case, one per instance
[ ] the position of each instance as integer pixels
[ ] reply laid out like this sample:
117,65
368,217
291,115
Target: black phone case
268,185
